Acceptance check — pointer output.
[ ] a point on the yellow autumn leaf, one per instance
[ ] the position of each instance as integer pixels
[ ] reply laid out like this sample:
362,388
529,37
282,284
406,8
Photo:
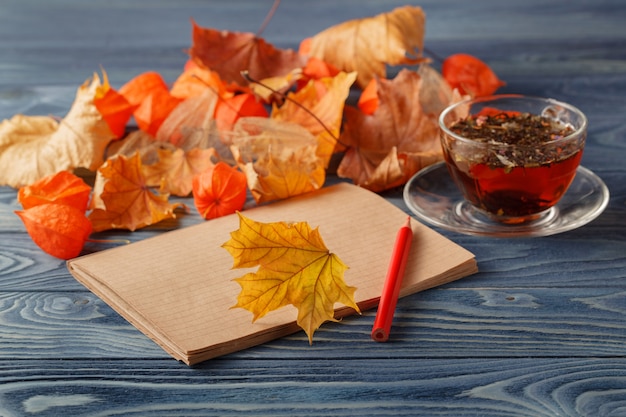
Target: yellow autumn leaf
295,267
318,107
278,157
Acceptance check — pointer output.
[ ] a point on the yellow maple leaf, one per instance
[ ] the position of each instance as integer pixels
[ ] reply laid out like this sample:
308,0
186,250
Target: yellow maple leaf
295,267
122,200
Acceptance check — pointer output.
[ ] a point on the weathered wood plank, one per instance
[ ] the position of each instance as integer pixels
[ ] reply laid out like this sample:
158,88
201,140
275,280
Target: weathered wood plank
541,331
483,322
352,387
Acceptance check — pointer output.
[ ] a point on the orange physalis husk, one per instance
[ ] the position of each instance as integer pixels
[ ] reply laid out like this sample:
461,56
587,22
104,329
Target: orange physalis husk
470,75
139,88
58,229
316,69
305,46
61,188
152,98
229,110
113,107
194,81
219,190
153,111
368,101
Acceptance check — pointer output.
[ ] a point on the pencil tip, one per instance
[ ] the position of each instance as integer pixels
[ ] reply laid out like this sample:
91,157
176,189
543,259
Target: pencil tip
408,222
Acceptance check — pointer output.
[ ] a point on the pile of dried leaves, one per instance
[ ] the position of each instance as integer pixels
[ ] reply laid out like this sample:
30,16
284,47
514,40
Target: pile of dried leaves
272,118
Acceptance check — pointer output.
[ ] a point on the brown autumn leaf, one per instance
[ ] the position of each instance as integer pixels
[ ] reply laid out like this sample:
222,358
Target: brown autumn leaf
33,147
123,200
176,168
368,45
387,147
230,53
278,157
295,267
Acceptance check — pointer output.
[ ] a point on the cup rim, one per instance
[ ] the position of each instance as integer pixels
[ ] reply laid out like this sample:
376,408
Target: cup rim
469,101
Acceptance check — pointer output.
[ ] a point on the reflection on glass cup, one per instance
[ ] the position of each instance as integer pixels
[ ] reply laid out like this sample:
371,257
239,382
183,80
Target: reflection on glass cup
513,157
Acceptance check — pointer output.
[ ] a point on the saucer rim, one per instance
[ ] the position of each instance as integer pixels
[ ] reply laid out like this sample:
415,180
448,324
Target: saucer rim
557,225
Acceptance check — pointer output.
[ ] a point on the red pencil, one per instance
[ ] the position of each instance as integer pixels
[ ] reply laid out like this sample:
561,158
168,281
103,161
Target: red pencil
393,282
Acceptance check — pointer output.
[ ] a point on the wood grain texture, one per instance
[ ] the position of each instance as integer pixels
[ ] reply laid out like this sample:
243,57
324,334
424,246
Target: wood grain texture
540,331
482,387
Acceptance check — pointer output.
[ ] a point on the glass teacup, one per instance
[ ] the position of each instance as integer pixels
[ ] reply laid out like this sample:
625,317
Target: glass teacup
513,157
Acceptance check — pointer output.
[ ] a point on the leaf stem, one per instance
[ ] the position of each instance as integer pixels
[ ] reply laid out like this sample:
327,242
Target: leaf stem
434,55
112,241
268,17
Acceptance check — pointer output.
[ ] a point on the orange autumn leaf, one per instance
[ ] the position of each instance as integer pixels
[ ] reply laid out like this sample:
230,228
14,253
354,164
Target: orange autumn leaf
219,190
177,168
113,106
59,230
230,53
368,45
294,267
387,147
470,75
229,110
278,157
318,107
122,199
61,188
33,147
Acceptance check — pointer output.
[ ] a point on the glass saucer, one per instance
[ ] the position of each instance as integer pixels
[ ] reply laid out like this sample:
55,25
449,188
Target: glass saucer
433,197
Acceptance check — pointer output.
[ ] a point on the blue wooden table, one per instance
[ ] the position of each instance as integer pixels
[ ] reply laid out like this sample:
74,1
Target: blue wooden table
540,331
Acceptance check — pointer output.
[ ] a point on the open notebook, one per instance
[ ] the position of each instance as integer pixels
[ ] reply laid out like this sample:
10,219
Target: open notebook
178,287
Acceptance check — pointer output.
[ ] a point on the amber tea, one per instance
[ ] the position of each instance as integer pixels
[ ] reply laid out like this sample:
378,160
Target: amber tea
513,165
